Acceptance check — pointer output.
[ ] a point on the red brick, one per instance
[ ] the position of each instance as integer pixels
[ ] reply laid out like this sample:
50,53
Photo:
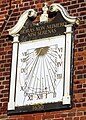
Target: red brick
28,118
84,85
83,118
79,113
57,115
71,114
80,0
38,117
78,105
3,116
25,0
4,100
2,69
73,2
76,118
1,87
66,3
59,119
4,91
83,4
64,115
84,104
47,117
82,13
73,6
68,118
6,73
1,78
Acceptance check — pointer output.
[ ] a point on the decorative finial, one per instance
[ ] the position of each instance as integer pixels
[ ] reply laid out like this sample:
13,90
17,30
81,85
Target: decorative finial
32,13
44,16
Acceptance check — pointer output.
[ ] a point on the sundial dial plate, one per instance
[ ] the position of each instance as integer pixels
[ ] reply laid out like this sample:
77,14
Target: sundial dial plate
40,73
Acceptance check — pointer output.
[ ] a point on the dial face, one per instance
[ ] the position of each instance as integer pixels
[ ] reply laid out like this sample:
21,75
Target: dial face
40,74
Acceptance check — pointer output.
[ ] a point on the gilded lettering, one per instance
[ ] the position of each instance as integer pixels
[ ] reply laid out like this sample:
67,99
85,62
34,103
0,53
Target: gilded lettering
42,32
56,25
51,31
38,107
61,24
31,30
40,28
32,34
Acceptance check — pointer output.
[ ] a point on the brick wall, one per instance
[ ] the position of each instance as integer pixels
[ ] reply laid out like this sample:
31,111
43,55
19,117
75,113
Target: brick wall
10,11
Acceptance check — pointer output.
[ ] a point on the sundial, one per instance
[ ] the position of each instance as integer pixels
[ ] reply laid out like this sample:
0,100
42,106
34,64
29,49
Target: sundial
42,61
41,70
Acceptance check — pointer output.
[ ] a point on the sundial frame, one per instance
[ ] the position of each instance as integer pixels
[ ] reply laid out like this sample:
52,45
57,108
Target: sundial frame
42,61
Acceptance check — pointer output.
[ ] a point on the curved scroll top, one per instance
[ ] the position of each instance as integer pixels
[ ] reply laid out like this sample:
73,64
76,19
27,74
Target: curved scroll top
32,14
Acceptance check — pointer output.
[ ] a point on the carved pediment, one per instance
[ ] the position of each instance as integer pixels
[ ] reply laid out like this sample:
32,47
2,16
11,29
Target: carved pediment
55,10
